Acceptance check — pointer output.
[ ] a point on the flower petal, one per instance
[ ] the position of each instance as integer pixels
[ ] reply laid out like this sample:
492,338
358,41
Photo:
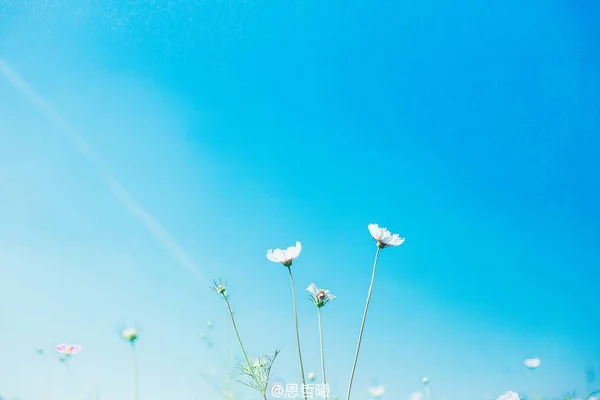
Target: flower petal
374,230
61,348
312,289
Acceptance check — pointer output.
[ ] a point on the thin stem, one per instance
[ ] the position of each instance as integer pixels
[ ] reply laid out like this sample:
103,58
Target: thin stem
362,325
427,392
136,376
297,333
237,334
322,354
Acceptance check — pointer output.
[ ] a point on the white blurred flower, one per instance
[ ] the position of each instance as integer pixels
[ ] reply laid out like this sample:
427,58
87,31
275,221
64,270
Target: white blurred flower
285,257
509,396
416,396
310,376
425,380
320,296
532,363
129,334
594,397
384,238
376,392
209,323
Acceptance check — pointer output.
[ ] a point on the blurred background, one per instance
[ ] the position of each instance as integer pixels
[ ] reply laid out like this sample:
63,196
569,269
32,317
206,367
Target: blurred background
147,147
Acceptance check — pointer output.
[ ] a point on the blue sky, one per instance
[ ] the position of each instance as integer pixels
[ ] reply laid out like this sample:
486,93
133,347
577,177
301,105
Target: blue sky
470,129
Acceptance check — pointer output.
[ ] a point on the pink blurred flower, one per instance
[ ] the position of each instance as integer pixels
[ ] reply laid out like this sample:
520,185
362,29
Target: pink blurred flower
68,349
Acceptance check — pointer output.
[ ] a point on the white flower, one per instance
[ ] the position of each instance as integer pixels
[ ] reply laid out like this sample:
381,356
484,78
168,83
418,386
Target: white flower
416,396
509,396
425,380
383,237
310,376
129,334
376,392
287,256
320,296
532,363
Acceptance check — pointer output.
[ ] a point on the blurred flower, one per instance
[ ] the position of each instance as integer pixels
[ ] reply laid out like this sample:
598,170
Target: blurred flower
509,396
376,392
209,323
416,396
425,380
285,257
219,288
532,363
130,335
68,349
320,296
310,376
384,238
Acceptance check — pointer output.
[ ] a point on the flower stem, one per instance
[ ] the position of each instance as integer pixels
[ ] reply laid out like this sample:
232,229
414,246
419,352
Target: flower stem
427,393
322,354
297,333
136,376
362,325
237,334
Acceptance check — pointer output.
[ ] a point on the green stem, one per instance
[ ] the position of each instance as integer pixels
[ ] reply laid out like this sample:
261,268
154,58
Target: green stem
427,392
297,333
322,353
362,325
136,376
237,334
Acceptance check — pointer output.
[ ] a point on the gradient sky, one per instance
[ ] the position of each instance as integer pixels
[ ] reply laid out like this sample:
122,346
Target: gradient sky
219,129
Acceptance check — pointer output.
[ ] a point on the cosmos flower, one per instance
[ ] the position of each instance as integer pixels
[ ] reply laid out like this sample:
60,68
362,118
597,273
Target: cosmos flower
532,363
425,380
130,335
376,392
68,349
219,288
509,396
310,376
285,257
384,238
320,296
